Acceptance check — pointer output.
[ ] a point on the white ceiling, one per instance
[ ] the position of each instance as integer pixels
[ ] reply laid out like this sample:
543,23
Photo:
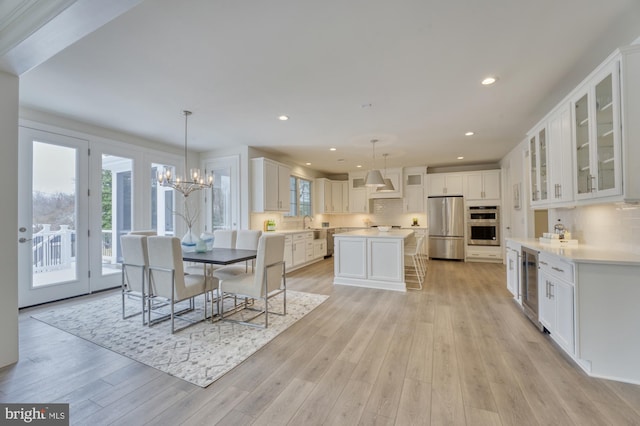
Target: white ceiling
240,64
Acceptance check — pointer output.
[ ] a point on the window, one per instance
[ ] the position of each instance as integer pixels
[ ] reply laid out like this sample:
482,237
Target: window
300,196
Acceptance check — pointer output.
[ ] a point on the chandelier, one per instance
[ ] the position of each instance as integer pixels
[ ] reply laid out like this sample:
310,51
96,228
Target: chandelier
188,183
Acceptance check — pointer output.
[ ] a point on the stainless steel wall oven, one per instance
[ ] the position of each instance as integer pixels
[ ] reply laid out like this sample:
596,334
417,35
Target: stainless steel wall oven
483,225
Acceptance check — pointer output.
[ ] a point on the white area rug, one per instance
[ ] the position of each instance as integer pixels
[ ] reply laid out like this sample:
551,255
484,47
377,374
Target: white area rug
199,354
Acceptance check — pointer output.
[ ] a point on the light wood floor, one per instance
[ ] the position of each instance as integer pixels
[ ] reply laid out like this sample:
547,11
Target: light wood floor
458,352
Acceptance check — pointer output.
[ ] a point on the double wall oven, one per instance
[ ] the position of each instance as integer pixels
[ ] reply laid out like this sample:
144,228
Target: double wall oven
483,225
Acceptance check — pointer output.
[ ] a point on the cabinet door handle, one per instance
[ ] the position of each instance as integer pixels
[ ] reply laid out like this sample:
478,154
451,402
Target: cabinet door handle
557,269
543,263
546,289
551,292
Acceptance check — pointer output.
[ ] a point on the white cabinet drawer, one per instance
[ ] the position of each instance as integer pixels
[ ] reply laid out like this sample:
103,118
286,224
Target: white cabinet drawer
303,236
556,267
287,239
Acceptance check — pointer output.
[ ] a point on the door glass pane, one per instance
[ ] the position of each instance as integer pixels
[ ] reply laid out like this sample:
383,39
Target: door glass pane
162,202
221,199
54,214
117,214
605,133
542,140
582,145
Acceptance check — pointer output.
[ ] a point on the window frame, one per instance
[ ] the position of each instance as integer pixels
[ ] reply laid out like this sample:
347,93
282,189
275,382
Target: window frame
298,204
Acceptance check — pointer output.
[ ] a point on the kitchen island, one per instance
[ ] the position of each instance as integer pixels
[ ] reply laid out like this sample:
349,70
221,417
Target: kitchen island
371,258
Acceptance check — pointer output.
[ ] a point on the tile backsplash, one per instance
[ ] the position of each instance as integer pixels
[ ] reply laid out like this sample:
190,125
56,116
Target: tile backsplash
610,226
384,212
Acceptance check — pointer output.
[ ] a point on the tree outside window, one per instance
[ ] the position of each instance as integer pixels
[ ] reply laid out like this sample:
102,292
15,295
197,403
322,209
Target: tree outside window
300,196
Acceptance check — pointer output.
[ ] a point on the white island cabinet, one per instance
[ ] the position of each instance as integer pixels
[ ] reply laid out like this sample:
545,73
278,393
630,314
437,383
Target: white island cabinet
371,258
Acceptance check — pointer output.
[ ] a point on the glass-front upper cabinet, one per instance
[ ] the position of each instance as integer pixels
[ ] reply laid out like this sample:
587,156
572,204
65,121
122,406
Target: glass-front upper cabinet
596,130
538,159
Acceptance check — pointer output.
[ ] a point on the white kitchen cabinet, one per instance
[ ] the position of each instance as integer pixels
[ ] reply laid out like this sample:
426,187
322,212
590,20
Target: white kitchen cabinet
538,167
513,270
445,184
596,127
270,185
550,160
414,190
395,175
299,249
345,196
546,303
483,254
288,252
483,185
358,193
322,196
319,249
336,197
329,196
556,304
560,156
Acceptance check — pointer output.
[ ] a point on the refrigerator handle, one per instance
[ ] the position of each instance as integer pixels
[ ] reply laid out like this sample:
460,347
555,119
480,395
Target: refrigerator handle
445,215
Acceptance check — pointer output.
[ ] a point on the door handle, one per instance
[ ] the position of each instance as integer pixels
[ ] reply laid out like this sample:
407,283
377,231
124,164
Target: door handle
24,240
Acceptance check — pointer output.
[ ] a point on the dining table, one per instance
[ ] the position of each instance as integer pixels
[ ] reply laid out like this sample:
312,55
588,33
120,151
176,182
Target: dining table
219,256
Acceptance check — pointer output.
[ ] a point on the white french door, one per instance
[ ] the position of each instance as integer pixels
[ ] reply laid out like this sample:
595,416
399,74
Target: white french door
223,200
53,255
111,212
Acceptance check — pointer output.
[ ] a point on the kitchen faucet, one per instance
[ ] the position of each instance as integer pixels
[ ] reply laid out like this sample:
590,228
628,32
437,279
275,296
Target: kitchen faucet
304,220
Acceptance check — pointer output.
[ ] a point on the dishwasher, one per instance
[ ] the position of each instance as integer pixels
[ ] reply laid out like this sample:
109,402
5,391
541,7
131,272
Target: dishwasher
330,233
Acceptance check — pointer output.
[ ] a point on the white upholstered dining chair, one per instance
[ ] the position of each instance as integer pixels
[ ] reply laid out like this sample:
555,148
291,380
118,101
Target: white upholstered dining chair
135,261
247,239
168,281
265,281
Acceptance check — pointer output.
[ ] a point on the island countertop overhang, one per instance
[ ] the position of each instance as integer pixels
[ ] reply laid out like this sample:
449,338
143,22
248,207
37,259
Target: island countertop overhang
374,233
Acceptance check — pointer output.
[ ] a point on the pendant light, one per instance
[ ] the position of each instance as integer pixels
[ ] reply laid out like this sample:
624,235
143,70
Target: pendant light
374,177
388,185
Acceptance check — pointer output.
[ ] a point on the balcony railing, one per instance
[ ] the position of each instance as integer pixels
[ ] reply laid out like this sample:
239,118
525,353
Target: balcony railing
53,250
56,250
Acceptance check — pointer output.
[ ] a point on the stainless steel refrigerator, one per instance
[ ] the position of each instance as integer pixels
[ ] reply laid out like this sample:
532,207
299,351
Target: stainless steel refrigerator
446,227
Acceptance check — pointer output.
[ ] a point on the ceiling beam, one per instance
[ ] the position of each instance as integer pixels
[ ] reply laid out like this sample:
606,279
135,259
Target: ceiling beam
33,31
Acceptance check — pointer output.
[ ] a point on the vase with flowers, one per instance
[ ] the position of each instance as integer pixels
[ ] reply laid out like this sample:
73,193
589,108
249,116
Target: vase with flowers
189,240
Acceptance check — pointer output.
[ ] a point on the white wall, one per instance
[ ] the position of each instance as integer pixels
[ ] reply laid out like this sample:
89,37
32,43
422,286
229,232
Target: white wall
9,85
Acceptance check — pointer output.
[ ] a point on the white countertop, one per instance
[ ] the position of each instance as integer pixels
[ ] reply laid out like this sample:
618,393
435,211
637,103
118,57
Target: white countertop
374,233
289,231
582,253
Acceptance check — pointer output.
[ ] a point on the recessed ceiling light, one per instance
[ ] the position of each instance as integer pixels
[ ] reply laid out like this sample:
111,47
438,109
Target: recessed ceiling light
308,164
332,149
359,166
283,117
460,158
489,80
469,134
